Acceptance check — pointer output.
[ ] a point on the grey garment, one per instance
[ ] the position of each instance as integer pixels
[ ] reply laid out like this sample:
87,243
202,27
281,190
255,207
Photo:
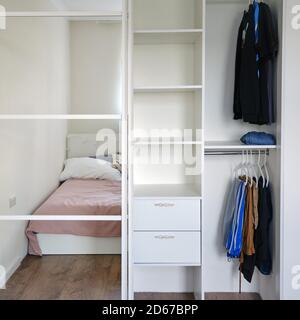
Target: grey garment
230,209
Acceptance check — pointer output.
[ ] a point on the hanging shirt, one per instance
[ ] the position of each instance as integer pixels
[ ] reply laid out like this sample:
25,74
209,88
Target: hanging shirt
249,224
268,46
247,88
230,209
235,238
237,104
257,47
262,258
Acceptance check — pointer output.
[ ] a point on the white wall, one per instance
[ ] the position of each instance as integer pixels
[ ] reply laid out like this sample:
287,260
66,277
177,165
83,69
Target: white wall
96,79
34,79
219,275
28,5
290,222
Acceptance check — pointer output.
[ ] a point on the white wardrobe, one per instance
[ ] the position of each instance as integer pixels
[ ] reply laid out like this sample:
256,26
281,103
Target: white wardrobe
181,76
175,98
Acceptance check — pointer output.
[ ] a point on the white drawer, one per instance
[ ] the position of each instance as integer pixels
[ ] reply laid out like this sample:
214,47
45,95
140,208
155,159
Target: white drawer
167,248
167,215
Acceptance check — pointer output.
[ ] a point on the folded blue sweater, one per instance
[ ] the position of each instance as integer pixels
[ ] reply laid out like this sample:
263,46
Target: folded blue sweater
258,138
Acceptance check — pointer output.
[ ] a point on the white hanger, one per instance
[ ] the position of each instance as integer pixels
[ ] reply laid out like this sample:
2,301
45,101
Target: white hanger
244,169
239,167
253,165
266,169
260,169
249,168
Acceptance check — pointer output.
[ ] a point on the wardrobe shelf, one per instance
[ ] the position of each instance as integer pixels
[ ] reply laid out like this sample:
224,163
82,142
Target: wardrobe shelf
158,89
234,145
99,15
172,141
162,36
60,117
185,191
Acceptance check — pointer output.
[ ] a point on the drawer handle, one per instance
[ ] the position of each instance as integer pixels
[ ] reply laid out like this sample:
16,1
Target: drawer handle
164,205
162,237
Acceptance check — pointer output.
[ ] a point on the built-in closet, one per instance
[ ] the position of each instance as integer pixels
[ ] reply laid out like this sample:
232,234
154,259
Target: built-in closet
181,75
221,136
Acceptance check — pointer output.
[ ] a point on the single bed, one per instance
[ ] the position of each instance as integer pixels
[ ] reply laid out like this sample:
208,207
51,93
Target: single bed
78,197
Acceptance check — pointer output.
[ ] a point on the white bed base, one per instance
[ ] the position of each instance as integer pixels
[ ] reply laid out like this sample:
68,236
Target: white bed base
56,244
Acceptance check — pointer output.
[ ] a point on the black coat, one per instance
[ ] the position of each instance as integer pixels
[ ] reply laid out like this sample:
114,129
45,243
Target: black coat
253,93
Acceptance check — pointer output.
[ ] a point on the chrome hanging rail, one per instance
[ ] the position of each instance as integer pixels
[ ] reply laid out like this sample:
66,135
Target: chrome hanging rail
236,153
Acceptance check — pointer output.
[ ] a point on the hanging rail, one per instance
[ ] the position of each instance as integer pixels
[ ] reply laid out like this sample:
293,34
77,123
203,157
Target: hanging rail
236,153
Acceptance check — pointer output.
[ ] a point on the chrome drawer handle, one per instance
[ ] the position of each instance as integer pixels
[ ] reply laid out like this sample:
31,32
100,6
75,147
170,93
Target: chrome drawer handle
161,237
164,205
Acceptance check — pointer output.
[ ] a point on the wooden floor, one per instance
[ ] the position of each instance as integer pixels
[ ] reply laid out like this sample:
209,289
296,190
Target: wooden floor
190,296
66,278
232,296
164,296
84,277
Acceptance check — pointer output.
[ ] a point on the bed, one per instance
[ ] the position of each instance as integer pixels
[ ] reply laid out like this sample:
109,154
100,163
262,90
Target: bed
78,196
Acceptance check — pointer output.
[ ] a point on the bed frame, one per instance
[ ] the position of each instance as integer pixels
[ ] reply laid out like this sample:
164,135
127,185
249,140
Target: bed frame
53,244
79,145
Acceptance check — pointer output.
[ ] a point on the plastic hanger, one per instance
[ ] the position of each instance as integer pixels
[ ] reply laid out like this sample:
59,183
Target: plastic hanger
266,170
248,168
244,170
239,167
253,165
251,169
260,168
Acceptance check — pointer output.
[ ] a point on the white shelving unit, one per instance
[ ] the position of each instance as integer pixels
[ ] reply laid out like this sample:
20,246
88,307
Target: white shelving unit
166,58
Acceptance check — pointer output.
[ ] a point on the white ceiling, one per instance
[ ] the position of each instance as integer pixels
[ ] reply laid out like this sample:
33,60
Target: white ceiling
78,5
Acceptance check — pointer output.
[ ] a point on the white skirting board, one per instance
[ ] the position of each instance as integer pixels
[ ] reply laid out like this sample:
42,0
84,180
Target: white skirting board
53,244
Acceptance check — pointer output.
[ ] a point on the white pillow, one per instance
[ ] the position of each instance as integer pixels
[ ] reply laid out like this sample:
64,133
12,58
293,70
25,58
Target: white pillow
89,168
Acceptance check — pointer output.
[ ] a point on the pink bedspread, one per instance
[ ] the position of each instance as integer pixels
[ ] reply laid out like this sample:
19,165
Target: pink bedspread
78,197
